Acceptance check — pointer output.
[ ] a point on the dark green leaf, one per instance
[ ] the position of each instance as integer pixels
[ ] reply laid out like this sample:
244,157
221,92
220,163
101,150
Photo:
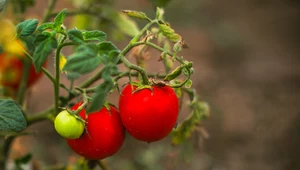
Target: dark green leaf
45,26
136,14
44,43
58,20
27,27
99,97
29,41
106,47
75,36
11,117
94,35
113,56
84,60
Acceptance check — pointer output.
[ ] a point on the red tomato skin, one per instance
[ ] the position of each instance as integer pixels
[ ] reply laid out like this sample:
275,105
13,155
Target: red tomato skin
149,114
14,64
104,136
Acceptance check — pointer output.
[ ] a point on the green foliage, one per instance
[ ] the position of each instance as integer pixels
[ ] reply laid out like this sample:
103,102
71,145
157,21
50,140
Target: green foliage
169,33
175,73
99,97
44,43
94,35
11,116
58,20
45,26
200,111
125,24
136,14
27,27
84,60
75,36
106,47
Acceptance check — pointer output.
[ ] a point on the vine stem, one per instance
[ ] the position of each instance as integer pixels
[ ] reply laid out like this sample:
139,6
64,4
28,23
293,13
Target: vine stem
49,10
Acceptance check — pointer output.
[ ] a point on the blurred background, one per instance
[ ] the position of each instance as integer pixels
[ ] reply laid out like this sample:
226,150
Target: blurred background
246,60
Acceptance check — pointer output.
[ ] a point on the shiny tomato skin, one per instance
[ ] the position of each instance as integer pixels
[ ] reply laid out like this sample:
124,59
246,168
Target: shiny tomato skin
11,68
104,136
149,114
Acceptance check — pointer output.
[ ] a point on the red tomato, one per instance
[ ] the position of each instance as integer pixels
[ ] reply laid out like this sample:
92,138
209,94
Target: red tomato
104,136
11,68
148,114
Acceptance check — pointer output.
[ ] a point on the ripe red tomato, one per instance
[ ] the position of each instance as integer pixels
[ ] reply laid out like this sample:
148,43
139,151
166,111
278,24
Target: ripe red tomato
104,136
11,68
148,114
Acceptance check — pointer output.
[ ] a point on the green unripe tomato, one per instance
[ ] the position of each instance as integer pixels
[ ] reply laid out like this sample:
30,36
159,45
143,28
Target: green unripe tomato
68,126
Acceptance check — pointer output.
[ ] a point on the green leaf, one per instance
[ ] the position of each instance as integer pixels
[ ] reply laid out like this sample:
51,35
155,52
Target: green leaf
11,117
44,43
58,20
169,33
136,14
84,60
125,24
106,47
29,41
188,84
94,35
175,73
75,36
99,97
113,56
200,111
27,27
45,26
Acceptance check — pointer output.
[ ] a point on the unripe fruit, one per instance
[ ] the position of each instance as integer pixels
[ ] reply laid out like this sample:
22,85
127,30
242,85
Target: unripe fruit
68,126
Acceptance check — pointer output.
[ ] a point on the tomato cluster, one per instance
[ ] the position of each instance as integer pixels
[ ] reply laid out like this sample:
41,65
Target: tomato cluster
148,115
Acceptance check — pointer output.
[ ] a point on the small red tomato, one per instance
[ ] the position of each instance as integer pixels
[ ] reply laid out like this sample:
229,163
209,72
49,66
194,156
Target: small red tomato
11,69
148,114
104,134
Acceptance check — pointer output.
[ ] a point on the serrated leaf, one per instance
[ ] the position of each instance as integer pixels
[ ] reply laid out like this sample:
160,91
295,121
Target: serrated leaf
58,20
200,111
169,33
11,117
125,24
44,42
75,36
45,26
99,97
94,35
27,27
84,60
136,14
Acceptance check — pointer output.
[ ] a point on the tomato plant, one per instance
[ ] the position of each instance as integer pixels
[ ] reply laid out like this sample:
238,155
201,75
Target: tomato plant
104,134
149,114
94,129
